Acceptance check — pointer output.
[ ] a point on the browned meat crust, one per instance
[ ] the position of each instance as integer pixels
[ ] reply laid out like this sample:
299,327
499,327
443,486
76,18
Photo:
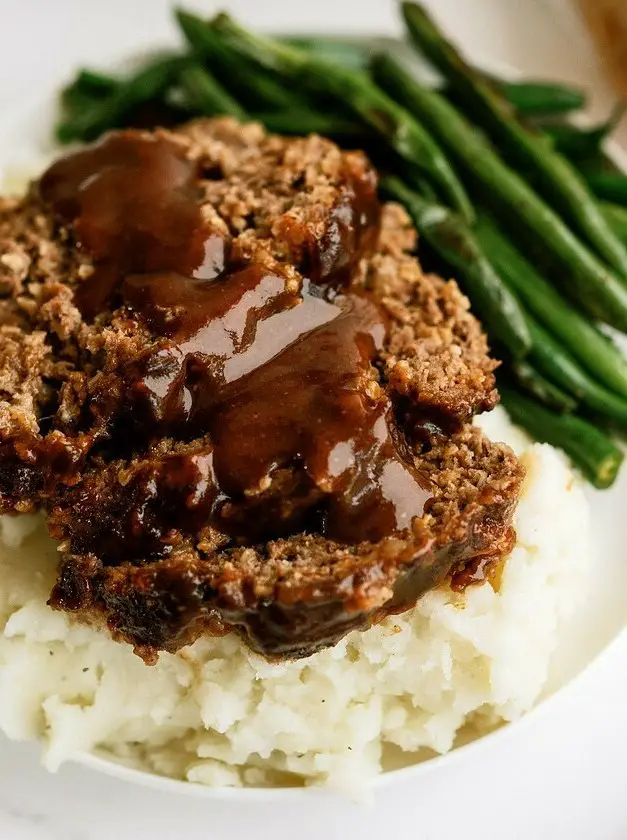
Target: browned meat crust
68,443
291,596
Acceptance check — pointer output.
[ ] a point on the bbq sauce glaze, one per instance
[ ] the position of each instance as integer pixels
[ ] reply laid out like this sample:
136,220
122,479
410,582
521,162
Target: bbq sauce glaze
273,368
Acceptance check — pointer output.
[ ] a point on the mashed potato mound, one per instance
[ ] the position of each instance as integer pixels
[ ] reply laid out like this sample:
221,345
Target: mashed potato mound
217,714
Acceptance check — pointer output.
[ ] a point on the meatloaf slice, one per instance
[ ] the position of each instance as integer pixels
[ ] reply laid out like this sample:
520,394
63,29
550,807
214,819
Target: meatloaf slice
241,402
266,194
291,596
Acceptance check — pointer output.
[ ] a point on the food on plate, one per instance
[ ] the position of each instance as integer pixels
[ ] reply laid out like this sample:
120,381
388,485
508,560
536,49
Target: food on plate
414,685
255,404
248,436
536,268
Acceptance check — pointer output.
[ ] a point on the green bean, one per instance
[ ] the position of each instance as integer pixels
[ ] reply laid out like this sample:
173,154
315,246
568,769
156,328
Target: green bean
542,99
590,282
256,90
593,452
582,144
308,121
353,54
616,215
454,242
148,84
541,388
87,89
590,347
88,85
553,174
205,95
554,362
608,186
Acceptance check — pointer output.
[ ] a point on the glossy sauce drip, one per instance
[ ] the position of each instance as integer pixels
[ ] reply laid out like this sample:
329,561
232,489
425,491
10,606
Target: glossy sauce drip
352,232
276,372
133,199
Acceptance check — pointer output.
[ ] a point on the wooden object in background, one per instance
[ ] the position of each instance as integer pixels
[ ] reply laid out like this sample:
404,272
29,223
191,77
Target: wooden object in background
607,20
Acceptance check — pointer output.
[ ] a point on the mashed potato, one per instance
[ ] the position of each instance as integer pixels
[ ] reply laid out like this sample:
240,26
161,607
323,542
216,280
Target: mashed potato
217,714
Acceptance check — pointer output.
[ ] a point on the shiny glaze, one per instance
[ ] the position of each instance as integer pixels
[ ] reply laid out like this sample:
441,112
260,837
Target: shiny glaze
274,371
133,201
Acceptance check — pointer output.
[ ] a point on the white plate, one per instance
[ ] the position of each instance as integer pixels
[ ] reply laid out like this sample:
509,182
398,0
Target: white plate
24,138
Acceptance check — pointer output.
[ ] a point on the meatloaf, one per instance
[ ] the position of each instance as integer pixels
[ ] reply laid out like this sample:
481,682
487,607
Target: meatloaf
239,400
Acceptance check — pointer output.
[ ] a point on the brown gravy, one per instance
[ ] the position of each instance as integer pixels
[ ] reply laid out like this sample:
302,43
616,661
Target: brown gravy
276,373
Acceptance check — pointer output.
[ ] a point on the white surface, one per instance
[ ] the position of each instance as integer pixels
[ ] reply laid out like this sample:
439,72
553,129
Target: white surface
562,773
